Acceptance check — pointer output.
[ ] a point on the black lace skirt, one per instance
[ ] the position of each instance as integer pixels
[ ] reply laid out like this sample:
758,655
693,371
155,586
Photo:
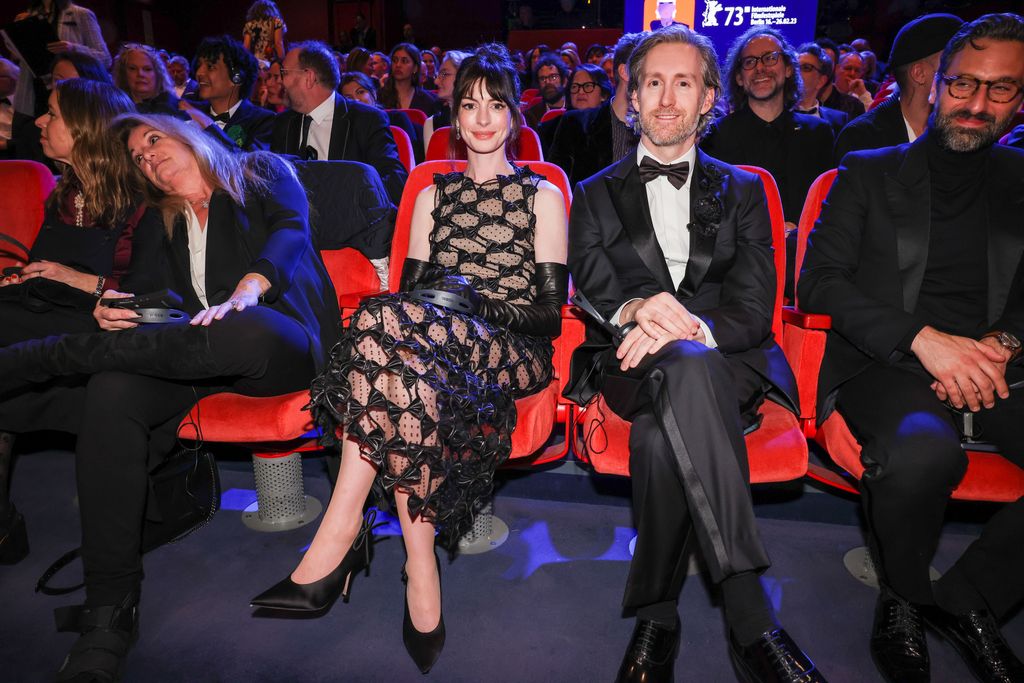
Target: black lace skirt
430,397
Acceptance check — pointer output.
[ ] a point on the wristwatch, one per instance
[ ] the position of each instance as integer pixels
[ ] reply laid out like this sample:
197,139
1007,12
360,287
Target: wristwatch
1007,340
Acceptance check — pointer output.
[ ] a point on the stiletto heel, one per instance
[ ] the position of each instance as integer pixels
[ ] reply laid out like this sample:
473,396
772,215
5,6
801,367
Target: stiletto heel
320,595
424,648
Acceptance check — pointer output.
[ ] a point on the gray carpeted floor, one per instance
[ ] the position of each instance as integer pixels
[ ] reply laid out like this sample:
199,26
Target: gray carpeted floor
542,607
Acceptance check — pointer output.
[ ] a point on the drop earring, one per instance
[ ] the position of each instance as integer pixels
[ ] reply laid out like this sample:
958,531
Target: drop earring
458,132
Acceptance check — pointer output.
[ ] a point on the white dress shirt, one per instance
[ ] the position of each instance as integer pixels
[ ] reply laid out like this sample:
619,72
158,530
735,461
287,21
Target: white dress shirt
320,129
197,254
911,135
670,214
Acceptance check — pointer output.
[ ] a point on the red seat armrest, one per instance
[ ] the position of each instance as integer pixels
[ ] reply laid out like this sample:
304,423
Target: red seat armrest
805,320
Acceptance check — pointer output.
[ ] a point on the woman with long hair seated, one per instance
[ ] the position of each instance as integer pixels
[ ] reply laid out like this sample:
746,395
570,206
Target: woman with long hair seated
83,246
421,398
140,72
402,89
235,244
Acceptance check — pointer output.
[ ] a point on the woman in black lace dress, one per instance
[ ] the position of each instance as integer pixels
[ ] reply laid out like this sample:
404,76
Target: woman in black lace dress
421,398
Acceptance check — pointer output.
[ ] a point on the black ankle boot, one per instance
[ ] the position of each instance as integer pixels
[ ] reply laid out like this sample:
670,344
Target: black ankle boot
170,351
424,648
108,632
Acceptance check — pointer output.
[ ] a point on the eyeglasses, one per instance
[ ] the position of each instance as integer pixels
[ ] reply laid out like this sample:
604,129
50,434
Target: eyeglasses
808,68
961,87
585,87
285,72
768,59
445,74
553,78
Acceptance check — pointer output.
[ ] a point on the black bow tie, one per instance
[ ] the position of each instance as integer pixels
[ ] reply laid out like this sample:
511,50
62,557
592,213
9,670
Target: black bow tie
676,173
223,118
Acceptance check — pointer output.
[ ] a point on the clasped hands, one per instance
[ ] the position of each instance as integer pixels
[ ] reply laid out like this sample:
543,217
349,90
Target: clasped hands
659,319
966,371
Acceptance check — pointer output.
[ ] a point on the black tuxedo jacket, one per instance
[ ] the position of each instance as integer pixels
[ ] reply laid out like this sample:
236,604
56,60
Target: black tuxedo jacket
248,129
583,142
867,256
843,102
614,256
883,126
269,235
835,118
358,133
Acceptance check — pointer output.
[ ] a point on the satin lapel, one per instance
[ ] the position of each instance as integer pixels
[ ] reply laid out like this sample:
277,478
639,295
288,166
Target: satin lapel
630,201
1005,236
908,194
701,248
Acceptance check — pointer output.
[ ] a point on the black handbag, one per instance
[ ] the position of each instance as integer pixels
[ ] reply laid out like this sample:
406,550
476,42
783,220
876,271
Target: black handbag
184,492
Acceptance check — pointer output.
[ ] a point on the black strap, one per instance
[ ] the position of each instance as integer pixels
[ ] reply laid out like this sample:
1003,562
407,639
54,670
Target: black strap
4,237
62,561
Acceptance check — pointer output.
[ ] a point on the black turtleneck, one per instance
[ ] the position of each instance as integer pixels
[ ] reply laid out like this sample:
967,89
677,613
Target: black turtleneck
954,291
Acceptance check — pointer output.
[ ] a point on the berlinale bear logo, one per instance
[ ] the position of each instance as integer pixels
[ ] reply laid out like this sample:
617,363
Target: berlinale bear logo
711,9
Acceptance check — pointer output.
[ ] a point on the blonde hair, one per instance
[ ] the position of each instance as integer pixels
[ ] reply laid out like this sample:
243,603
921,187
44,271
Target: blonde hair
235,174
120,69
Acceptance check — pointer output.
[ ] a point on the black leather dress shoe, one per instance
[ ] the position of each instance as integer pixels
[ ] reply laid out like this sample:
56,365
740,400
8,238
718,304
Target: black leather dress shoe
977,638
898,644
773,658
651,656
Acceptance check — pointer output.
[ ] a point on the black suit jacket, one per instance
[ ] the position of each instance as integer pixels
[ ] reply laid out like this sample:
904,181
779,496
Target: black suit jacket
843,102
358,133
614,256
269,235
583,142
24,142
248,129
835,118
867,256
883,126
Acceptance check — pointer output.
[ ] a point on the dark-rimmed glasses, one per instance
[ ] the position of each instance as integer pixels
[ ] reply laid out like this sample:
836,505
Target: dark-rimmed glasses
768,59
962,87
585,87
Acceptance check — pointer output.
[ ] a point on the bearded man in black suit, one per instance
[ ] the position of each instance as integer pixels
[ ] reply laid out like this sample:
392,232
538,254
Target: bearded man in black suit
694,305
917,257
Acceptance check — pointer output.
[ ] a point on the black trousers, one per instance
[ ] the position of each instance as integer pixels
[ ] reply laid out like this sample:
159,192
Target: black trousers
688,463
130,419
913,458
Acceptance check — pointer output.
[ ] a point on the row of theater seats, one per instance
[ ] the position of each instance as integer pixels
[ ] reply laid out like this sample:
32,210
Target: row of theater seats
275,427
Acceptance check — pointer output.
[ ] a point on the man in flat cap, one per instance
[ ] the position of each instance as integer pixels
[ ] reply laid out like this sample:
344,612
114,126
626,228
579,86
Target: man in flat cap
902,117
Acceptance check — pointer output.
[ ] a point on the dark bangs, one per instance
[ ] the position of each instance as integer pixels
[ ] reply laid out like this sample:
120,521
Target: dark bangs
492,66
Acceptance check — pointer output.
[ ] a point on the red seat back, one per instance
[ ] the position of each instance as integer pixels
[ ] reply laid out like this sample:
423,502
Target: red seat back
809,216
404,144
24,187
437,147
551,114
415,115
529,145
529,94
778,221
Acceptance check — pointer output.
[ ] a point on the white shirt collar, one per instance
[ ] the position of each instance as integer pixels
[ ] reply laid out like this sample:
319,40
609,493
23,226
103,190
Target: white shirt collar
231,110
323,111
689,155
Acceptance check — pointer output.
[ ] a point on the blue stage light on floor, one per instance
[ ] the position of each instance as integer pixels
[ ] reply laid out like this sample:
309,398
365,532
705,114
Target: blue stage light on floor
237,499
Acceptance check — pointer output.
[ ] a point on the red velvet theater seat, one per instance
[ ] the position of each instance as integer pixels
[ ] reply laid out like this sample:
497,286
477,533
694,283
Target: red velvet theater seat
24,187
777,451
990,477
415,115
529,145
404,144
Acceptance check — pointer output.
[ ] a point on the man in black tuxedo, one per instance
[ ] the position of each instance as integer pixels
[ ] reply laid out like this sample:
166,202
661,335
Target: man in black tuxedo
917,257
321,124
226,73
816,71
697,358
902,117
587,140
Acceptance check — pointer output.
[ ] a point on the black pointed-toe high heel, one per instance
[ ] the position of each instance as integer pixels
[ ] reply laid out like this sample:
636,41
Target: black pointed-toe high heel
320,595
424,648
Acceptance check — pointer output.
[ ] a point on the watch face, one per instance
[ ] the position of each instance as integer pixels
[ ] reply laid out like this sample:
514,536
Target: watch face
1009,341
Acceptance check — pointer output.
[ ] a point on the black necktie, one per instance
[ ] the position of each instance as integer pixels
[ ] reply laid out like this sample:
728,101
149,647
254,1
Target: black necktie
307,121
676,173
223,118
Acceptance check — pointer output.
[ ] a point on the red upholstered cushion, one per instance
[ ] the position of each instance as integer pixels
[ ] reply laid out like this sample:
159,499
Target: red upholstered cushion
250,419
24,187
777,451
535,419
989,477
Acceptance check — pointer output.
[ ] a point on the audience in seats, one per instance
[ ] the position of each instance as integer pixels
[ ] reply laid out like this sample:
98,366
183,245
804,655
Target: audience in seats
322,124
380,66
589,87
831,97
184,84
588,140
226,74
551,76
361,88
445,88
903,116
19,136
816,71
264,31
916,258
139,71
402,90
264,315
83,246
495,237
763,83
362,34
78,65
696,360
850,78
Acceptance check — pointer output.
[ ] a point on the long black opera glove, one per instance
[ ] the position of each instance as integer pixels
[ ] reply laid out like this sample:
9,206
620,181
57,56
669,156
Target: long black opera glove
542,318
414,272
